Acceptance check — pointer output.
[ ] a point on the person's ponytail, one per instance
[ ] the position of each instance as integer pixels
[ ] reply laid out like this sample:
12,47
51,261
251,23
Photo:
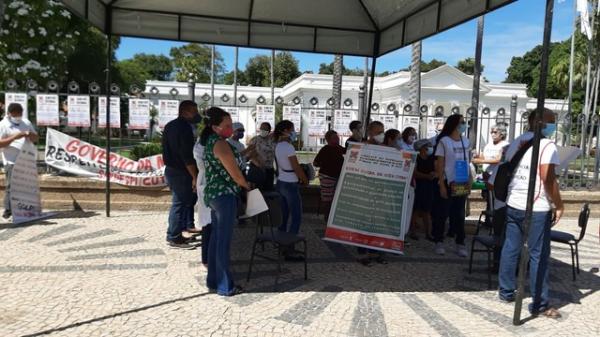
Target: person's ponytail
213,116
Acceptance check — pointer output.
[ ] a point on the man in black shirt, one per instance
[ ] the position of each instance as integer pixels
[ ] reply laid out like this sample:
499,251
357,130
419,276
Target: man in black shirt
355,127
181,172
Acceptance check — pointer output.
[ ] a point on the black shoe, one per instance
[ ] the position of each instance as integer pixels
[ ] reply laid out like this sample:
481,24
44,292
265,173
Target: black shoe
235,291
450,234
294,258
181,243
7,214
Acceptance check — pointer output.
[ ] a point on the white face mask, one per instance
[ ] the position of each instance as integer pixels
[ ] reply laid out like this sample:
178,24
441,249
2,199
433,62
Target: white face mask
379,138
15,120
264,133
412,139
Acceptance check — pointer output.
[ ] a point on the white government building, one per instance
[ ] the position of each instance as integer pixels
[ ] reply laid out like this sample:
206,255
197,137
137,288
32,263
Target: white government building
442,88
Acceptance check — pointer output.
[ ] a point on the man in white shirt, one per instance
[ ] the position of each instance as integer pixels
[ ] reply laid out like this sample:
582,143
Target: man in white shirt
14,132
547,210
492,152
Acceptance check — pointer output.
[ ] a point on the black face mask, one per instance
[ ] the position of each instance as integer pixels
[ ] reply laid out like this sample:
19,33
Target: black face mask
195,119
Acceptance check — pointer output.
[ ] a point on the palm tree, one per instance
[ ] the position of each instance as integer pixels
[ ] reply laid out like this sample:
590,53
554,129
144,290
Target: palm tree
338,68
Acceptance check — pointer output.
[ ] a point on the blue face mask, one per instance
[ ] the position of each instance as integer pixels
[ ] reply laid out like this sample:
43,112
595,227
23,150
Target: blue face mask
462,127
429,151
293,136
549,130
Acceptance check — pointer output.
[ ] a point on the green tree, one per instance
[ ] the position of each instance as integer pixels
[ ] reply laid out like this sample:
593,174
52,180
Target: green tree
327,69
195,59
159,67
433,64
132,73
467,66
258,70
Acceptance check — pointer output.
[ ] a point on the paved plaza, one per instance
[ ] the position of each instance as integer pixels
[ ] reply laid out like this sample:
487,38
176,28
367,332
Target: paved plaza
81,274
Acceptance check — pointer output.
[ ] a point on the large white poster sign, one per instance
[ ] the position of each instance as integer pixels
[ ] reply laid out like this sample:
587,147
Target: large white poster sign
265,113
17,97
293,114
389,121
317,122
77,157
79,111
341,122
373,178
234,112
139,114
115,112
410,121
25,201
46,109
433,124
168,110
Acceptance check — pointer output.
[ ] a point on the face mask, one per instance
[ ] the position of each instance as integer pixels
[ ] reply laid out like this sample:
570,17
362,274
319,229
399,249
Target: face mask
462,127
293,136
379,138
334,141
264,133
240,134
412,139
429,151
357,134
15,120
196,119
399,143
549,129
225,132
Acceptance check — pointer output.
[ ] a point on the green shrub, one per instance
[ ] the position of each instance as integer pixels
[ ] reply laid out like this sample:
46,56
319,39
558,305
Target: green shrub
145,150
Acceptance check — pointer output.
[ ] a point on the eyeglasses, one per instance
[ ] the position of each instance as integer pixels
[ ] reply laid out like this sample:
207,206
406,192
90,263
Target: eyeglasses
494,132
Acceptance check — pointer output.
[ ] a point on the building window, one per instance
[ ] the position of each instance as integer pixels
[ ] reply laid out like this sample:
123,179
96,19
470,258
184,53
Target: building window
322,141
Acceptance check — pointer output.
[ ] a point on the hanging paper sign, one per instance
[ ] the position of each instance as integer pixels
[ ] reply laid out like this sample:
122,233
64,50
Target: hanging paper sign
293,114
342,120
79,111
265,114
234,112
373,178
389,121
410,121
115,112
17,97
434,124
139,114
46,110
317,122
168,110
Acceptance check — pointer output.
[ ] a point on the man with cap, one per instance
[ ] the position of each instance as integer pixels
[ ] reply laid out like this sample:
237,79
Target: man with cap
14,131
238,133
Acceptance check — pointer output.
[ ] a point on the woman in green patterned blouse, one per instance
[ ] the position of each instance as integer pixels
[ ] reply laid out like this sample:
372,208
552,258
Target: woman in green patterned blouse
224,180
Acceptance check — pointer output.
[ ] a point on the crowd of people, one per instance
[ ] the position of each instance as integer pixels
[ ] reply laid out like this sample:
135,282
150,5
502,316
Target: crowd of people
214,167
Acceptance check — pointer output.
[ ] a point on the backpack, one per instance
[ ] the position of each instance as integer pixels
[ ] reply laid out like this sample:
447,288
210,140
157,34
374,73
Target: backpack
506,171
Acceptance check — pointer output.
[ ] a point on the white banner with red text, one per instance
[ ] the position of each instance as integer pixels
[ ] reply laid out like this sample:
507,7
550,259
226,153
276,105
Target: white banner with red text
77,157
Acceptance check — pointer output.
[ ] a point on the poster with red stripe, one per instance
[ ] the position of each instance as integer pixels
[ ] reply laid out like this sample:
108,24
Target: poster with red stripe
372,206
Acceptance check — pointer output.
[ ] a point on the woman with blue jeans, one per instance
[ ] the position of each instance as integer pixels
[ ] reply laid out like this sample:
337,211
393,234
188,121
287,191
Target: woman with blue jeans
290,175
224,180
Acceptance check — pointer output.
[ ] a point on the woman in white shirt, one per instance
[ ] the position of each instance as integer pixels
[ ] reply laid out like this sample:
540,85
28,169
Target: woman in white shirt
452,153
492,152
204,217
290,175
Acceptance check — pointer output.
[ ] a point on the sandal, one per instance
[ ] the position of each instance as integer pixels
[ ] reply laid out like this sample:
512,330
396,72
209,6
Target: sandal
552,313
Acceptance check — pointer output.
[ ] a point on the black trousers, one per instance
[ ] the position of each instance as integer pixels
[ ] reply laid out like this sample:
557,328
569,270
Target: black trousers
451,210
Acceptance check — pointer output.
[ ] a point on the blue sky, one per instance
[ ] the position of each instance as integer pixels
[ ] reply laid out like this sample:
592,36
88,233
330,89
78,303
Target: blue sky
509,31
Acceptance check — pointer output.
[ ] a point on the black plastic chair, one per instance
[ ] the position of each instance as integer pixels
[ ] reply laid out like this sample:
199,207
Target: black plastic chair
489,242
571,240
282,241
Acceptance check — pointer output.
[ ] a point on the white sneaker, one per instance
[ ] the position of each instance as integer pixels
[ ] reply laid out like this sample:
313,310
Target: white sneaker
439,249
461,250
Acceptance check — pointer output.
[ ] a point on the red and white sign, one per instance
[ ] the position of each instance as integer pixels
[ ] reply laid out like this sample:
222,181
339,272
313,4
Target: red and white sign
79,111
115,112
46,109
294,115
168,110
342,120
77,157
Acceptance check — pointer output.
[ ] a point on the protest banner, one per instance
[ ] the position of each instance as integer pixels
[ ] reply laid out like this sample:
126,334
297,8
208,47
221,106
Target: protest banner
342,120
265,113
139,114
234,112
370,208
17,97
168,110
293,114
389,121
115,112
77,157
317,122
25,201
79,111
46,109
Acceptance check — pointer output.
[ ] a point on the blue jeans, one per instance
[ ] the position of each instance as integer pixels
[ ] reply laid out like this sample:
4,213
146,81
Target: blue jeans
539,253
181,214
224,216
291,204
206,230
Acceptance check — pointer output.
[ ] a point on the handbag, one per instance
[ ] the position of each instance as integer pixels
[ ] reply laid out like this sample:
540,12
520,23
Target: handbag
506,171
461,189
